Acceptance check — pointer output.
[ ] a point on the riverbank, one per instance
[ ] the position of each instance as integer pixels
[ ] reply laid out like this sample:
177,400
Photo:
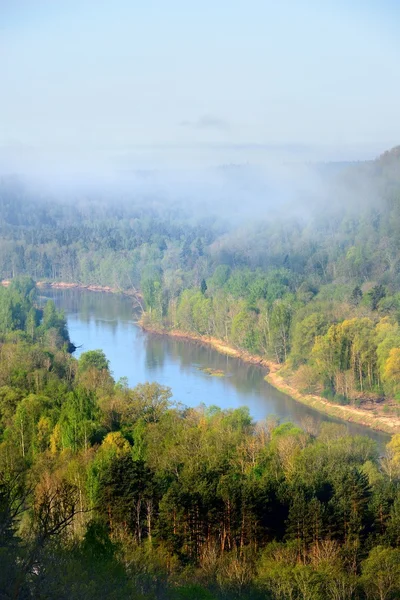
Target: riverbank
63,285
371,418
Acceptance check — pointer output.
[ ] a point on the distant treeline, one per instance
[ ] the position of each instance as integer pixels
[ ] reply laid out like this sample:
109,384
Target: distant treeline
111,492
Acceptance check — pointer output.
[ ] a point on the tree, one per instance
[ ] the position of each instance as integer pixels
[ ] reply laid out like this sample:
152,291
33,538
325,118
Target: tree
350,506
220,276
375,295
281,320
93,359
304,335
25,286
356,296
78,420
244,332
32,322
13,496
50,316
381,573
147,401
126,496
391,373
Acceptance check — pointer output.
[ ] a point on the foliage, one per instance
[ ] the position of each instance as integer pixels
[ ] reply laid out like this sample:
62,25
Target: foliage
112,492
116,492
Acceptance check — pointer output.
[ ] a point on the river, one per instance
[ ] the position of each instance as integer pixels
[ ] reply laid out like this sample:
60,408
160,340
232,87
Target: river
98,320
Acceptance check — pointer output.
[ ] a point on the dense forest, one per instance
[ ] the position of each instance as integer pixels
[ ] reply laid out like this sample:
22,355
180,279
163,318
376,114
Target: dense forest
310,281
111,492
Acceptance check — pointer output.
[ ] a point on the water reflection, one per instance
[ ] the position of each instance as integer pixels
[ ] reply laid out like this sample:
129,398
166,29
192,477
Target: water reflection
106,321
155,354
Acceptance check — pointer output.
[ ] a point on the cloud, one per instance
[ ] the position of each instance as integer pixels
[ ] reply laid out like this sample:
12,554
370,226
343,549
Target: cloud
207,122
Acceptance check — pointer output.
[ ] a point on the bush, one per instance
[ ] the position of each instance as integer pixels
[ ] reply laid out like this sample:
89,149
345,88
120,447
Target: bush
306,379
328,394
341,399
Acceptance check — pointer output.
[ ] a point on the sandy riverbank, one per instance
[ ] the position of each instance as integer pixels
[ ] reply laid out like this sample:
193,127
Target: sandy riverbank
371,417
63,285
387,423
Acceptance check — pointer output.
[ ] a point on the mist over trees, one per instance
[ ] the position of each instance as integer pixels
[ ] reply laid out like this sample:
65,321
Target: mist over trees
309,278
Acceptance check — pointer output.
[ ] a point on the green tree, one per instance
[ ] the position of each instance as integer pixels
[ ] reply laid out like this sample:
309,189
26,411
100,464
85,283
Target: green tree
93,359
381,573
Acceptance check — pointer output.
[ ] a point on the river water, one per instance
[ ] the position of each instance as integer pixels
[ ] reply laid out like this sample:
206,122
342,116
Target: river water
104,321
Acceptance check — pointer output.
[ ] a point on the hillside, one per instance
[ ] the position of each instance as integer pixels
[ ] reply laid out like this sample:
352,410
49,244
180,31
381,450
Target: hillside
111,492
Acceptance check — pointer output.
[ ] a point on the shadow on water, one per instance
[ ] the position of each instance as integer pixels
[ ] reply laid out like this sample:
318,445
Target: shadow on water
107,321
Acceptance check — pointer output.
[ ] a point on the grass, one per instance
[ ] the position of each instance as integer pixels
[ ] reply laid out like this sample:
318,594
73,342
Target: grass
212,372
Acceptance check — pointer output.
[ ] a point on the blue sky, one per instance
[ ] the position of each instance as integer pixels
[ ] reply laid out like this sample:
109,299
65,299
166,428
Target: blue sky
91,77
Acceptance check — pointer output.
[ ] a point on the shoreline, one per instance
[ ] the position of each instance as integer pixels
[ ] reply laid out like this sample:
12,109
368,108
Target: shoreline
64,285
389,424
386,424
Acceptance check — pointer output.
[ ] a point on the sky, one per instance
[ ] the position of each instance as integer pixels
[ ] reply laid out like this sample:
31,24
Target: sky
154,82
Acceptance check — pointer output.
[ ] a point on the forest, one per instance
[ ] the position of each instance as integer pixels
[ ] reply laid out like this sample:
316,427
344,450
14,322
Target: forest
199,300
111,492
312,284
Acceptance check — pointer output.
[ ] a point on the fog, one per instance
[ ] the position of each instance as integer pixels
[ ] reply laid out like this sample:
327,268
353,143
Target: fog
236,194
230,108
